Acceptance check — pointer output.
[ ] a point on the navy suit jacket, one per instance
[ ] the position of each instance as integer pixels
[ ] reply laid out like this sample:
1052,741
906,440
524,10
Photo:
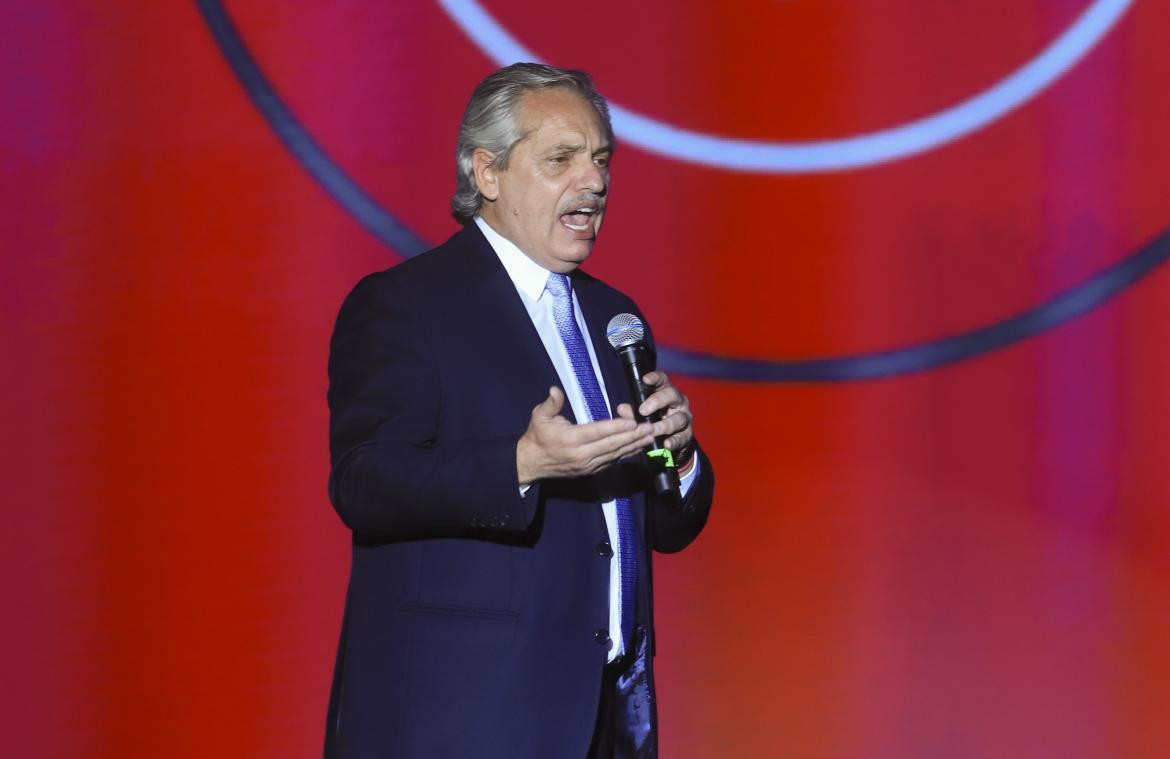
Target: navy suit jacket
475,620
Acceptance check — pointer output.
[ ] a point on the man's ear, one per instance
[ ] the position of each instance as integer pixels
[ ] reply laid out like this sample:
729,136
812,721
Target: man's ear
486,173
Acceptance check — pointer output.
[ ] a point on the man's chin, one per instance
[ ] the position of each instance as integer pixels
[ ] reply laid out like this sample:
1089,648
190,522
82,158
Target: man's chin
580,250
572,256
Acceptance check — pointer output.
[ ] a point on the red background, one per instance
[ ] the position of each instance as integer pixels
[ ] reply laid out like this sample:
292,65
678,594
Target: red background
966,562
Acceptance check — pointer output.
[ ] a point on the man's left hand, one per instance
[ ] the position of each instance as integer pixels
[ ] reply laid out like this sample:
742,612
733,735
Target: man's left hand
676,421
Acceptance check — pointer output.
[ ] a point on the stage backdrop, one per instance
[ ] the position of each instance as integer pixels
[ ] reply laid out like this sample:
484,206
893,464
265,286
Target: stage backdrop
905,258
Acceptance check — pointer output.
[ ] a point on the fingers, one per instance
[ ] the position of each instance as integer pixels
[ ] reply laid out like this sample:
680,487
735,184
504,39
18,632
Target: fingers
675,425
598,453
672,424
655,379
668,399
555,447
663,395
680,441
638,447
584,434
547,415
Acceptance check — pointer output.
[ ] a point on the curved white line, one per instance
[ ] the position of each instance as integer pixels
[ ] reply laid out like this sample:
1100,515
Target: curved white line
825,155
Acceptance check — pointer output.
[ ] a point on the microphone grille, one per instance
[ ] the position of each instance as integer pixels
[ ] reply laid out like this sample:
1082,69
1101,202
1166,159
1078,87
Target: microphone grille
624,330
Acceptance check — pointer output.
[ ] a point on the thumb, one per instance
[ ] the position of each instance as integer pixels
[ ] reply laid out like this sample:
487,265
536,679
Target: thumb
552,405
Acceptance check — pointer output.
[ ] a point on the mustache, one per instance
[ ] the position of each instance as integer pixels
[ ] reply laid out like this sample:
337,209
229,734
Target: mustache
591,200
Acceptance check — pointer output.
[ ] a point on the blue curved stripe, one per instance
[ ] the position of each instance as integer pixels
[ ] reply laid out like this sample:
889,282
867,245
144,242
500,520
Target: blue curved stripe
380,223
385,227
855,152
1052,313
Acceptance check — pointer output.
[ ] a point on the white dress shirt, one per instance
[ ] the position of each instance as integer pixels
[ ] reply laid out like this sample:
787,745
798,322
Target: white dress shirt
530,279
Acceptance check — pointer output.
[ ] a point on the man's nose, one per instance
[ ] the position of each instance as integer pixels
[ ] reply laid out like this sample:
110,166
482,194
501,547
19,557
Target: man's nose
592,178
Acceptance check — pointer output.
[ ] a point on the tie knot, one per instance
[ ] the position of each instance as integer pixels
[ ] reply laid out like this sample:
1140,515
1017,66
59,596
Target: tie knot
558,285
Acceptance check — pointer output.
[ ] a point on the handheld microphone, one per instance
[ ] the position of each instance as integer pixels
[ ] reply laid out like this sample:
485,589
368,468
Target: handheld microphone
627,335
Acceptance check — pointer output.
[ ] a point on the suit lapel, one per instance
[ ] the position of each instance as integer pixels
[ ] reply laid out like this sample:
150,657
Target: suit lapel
519,343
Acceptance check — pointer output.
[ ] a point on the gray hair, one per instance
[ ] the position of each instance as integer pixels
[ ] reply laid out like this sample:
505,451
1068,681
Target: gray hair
490,122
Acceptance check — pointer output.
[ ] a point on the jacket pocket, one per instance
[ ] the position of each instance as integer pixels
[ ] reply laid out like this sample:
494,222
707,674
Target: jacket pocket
440,626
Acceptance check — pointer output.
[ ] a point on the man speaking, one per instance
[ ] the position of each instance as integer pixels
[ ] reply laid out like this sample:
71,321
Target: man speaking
486,456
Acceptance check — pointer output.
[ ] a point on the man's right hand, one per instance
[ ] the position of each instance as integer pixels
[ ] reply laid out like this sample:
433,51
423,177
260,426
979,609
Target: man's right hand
552,446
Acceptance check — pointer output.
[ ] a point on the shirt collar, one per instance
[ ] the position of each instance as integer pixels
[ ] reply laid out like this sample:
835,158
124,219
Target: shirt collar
528,276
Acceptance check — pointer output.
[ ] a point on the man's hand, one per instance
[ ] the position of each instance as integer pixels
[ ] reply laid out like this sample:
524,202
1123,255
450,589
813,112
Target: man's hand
675,424
552,446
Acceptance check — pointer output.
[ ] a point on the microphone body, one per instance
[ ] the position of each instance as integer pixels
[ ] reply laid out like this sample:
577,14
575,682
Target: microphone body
627,337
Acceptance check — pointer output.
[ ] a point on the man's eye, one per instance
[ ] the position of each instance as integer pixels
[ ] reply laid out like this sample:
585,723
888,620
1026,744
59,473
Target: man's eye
602,161
558,159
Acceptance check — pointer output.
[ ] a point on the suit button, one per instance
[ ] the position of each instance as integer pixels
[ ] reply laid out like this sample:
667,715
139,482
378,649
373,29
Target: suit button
604,549
602,638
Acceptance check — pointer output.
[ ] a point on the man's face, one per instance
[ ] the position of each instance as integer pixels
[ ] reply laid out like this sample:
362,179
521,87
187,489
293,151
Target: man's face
550,199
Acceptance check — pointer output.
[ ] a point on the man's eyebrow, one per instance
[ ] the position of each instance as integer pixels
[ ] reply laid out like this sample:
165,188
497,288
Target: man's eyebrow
576,147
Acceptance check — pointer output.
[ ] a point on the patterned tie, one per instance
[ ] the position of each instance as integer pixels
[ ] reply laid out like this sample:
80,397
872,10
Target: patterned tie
559,286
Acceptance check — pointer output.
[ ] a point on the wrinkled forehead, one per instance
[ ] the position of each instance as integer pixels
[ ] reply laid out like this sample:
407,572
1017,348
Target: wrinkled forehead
559,114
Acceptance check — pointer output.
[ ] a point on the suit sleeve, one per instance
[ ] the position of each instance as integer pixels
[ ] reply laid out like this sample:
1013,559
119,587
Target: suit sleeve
391,472
674,528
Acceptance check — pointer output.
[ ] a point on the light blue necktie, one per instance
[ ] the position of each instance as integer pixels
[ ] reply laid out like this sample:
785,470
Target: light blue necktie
559,286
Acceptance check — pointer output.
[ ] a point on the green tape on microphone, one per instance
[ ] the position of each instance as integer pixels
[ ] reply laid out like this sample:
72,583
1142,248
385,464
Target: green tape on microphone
665,455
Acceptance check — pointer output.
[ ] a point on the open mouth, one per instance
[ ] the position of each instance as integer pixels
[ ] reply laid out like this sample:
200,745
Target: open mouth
580,219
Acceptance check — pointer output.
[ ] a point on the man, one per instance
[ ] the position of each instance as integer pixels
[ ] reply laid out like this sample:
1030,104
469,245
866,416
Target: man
500,596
